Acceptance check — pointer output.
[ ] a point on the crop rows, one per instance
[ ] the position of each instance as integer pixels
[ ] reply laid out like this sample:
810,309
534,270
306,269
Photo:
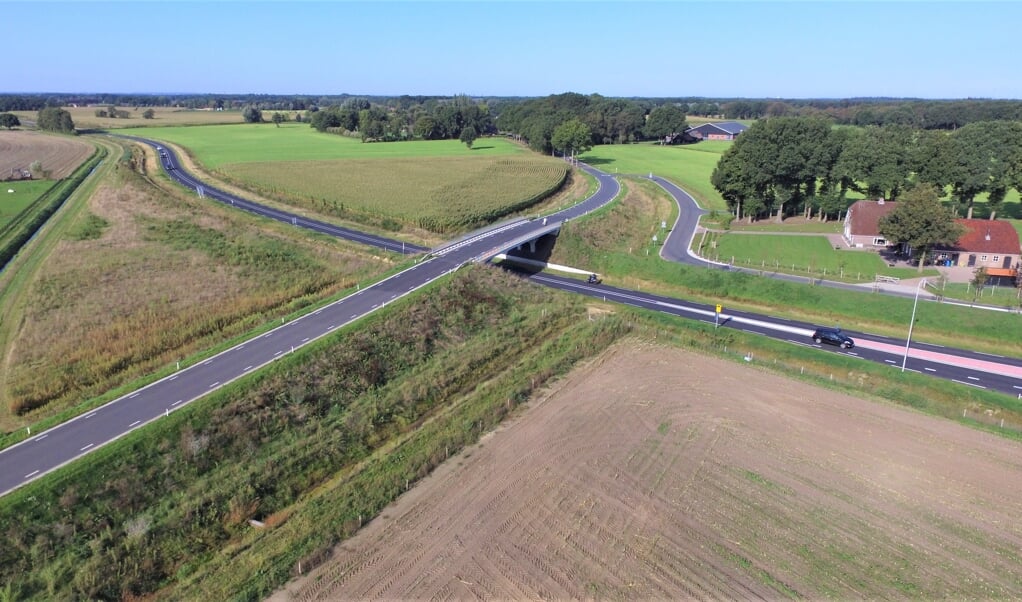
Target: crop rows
442,195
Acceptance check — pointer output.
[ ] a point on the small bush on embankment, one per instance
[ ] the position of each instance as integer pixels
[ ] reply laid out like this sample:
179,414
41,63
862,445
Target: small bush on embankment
313,445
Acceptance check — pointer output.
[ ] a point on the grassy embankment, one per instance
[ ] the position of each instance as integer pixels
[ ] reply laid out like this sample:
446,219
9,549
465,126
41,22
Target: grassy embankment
312,446
130,279
615,240
21,225
439,186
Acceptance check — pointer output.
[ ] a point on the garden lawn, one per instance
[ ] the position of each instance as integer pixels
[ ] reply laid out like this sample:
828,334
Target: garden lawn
216,145
812,254
25,193
689,166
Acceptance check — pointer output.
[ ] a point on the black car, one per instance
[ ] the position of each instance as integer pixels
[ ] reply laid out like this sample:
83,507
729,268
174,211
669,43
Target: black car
833,336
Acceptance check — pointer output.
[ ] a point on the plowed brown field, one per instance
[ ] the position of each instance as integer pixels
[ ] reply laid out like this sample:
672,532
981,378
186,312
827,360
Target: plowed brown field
659,473
59,155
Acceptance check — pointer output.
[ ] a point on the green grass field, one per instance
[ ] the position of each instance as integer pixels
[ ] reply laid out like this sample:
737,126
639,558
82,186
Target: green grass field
218,145
689,166
800,255
25,193
441,186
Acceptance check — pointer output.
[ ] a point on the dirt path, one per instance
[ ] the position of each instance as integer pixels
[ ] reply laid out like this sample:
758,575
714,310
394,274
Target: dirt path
658,473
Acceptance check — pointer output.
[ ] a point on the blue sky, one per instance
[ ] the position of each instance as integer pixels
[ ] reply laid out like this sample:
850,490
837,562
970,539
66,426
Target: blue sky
524,48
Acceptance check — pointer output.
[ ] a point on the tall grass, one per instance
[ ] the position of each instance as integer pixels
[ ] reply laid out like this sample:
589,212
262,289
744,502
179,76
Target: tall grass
144,279
311,447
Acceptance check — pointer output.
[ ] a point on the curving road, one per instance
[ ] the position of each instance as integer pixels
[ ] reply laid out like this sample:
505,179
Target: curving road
47,451
55,447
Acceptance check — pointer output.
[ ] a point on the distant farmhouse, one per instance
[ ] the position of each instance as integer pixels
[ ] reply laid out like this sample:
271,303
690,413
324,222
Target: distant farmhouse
989,244
722,130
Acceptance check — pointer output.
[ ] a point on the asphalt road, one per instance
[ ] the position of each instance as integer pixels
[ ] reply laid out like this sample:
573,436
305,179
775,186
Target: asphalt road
62,444
68,441
980,370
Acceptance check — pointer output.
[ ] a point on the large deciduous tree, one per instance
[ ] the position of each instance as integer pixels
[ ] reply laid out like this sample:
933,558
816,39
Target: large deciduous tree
251,114
775,163
875,160
468,136
983,157
9,120
921,222
664,121
55,119
572,137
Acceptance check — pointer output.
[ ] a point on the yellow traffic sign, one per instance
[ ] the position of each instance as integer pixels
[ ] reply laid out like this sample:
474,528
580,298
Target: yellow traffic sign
719,307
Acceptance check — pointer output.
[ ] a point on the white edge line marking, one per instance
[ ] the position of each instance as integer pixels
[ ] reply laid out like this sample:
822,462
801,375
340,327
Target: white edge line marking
176,402
247,368
962,382
87,447
134,423
31,474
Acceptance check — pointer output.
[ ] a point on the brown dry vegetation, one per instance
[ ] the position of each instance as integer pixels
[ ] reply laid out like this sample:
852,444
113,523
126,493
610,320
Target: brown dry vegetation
59,155
85,117
145,278
662,474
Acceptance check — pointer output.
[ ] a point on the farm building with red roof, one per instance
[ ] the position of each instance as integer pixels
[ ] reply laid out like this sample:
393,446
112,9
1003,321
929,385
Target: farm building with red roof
989,244
862,224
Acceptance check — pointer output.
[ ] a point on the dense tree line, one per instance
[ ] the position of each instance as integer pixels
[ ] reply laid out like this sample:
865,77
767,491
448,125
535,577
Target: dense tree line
920,114
432,120
784,165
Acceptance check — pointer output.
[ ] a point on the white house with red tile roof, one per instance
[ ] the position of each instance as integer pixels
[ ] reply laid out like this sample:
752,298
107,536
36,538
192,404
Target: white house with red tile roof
862,224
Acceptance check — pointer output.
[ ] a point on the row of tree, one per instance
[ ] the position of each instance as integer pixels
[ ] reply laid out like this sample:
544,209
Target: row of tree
784,165
610,121
429,121
923,114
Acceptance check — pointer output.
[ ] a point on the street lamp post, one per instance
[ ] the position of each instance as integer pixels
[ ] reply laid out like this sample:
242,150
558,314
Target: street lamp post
911,323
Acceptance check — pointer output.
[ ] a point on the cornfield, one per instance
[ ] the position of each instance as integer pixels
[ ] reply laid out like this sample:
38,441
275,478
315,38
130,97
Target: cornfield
443,194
